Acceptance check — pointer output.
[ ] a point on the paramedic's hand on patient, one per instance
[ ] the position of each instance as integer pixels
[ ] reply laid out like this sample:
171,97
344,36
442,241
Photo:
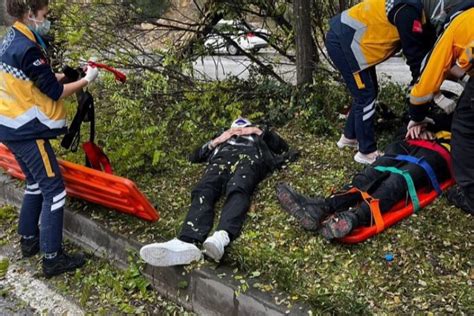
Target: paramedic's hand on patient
91,74
427,135
416,129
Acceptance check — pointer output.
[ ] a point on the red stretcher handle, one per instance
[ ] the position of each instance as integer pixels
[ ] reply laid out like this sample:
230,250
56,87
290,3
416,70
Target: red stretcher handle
119,76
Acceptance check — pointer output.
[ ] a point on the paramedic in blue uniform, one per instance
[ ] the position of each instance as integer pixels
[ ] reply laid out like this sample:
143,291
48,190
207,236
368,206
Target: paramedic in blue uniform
32,113
364,36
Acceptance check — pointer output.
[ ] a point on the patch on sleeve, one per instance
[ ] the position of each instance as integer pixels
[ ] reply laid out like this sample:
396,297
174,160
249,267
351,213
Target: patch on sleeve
39,62
417,27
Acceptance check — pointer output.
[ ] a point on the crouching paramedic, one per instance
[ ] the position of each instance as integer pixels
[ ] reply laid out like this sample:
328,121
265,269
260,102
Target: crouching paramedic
453,51
237,161
32,113
366,35
407,166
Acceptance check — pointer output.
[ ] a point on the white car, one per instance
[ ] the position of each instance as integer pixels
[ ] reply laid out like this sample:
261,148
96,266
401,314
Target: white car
247,39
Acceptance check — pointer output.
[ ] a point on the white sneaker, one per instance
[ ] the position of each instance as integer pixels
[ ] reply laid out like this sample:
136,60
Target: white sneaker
214,245
347,142
367,159
171,253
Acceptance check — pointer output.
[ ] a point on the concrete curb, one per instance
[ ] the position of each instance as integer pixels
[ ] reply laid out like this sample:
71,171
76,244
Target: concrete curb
200,290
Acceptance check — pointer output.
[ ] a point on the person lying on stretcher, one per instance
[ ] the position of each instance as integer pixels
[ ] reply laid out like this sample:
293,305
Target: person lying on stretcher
336,216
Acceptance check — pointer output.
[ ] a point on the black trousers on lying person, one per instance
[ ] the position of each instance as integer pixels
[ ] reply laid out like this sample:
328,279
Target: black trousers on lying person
235,172
387,187
463,144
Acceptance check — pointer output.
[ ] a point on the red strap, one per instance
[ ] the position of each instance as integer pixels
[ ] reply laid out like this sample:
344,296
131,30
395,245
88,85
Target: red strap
434,147
97,158
119,76
374,205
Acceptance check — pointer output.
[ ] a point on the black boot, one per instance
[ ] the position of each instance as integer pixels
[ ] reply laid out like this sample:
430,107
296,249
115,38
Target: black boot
308,211
339,225
456,196
29,247
62,263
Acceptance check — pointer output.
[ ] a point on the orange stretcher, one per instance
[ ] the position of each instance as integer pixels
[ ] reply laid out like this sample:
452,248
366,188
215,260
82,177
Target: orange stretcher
94,186
396,214
402,209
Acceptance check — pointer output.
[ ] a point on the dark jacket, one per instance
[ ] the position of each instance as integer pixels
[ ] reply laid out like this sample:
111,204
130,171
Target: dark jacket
274,150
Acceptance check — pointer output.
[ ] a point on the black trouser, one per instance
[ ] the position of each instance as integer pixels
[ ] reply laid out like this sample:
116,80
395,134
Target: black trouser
389,188
235,172
463,143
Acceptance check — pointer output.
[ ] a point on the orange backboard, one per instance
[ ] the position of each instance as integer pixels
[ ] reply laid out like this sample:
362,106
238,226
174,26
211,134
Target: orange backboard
94,186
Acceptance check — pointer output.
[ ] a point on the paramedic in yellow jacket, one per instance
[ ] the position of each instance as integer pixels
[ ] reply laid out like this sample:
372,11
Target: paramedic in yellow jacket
366,35
452,52
451,56
32,113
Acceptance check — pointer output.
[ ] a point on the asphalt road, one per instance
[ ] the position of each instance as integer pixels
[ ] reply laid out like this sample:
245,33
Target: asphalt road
220,67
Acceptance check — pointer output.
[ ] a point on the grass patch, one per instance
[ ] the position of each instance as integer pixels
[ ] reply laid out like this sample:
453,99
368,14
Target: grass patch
432,270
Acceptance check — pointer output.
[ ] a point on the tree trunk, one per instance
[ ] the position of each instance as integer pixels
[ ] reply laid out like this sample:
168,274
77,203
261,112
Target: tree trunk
306,57
3,12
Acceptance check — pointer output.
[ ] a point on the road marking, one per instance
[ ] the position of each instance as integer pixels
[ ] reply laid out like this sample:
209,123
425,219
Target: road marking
37,294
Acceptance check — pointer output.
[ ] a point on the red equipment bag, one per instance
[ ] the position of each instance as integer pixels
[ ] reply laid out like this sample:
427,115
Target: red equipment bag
94,186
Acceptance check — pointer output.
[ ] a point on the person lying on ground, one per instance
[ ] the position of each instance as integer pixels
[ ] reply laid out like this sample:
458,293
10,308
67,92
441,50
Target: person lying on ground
338,215
237,161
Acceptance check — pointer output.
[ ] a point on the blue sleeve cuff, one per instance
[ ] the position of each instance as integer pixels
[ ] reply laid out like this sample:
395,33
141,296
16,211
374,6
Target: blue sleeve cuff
418,112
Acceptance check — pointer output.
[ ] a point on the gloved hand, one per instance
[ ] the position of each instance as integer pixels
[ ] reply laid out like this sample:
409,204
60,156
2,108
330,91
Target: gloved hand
91,74
445,103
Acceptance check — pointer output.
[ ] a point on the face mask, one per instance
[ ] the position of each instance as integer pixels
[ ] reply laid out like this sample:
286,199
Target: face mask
41,27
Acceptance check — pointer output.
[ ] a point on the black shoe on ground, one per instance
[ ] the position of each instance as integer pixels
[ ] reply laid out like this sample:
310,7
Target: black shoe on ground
29,247
308,211
339,225
62,263
455,196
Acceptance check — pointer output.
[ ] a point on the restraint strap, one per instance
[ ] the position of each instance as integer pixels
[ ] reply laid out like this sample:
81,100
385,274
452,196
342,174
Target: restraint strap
374,205
435,147
410,185
423,164
96,158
